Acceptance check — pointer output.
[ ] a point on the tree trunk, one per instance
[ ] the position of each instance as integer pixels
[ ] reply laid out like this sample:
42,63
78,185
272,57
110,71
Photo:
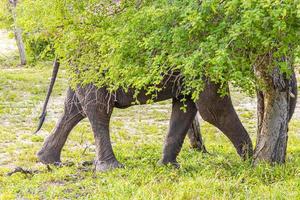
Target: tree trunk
272,136
18,33
273,105
194,134
20,44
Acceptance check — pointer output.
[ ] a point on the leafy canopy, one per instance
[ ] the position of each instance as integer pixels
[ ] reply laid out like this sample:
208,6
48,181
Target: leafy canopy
5,15
135,43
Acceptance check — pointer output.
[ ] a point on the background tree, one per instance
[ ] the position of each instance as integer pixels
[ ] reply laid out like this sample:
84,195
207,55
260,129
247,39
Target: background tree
18,32
8,19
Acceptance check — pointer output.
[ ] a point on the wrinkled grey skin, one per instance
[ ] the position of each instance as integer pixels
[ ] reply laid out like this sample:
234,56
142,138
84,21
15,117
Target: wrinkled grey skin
97,105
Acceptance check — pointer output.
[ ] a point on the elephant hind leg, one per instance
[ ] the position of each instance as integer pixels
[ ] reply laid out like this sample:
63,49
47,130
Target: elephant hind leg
73,114
195,137
219,112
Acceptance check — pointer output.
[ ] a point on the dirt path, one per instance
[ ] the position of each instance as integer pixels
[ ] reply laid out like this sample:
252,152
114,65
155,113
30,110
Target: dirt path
7,45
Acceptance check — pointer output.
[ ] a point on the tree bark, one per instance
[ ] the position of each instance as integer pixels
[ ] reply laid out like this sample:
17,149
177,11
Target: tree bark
273,105
18,33
272,136
20,44
195,137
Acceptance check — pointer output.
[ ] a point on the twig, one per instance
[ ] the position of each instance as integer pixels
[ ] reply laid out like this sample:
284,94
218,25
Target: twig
23,171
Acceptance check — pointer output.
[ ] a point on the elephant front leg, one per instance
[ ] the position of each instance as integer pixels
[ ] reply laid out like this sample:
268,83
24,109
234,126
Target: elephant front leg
105,158
179,125
98,111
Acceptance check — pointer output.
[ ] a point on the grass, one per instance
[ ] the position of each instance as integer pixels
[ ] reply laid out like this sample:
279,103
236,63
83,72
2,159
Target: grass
137,135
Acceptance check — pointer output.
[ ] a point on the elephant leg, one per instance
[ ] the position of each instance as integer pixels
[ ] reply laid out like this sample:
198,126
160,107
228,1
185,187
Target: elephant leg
179,125
73,114
219,112
98,107
195,137
105,158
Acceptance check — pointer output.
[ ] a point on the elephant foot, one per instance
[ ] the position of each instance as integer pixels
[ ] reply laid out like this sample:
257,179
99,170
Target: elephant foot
246,151
174,163
103,166
48,157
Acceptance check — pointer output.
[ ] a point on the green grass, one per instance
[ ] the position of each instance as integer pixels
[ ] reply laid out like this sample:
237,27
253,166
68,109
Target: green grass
137,135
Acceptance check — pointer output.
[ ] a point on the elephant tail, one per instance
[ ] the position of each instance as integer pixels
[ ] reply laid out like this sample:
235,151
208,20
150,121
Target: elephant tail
42,117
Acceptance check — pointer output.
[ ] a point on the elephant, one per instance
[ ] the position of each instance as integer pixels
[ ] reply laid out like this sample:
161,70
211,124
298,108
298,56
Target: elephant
97,105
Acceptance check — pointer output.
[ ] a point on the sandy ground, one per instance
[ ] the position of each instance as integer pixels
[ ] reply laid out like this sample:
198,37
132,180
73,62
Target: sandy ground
7,45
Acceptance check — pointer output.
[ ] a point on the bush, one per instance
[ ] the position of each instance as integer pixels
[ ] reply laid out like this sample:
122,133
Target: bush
38,48
129,45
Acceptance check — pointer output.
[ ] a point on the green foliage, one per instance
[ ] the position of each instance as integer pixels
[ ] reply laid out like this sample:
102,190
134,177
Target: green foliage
38,19
135,44
38,48
5,15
